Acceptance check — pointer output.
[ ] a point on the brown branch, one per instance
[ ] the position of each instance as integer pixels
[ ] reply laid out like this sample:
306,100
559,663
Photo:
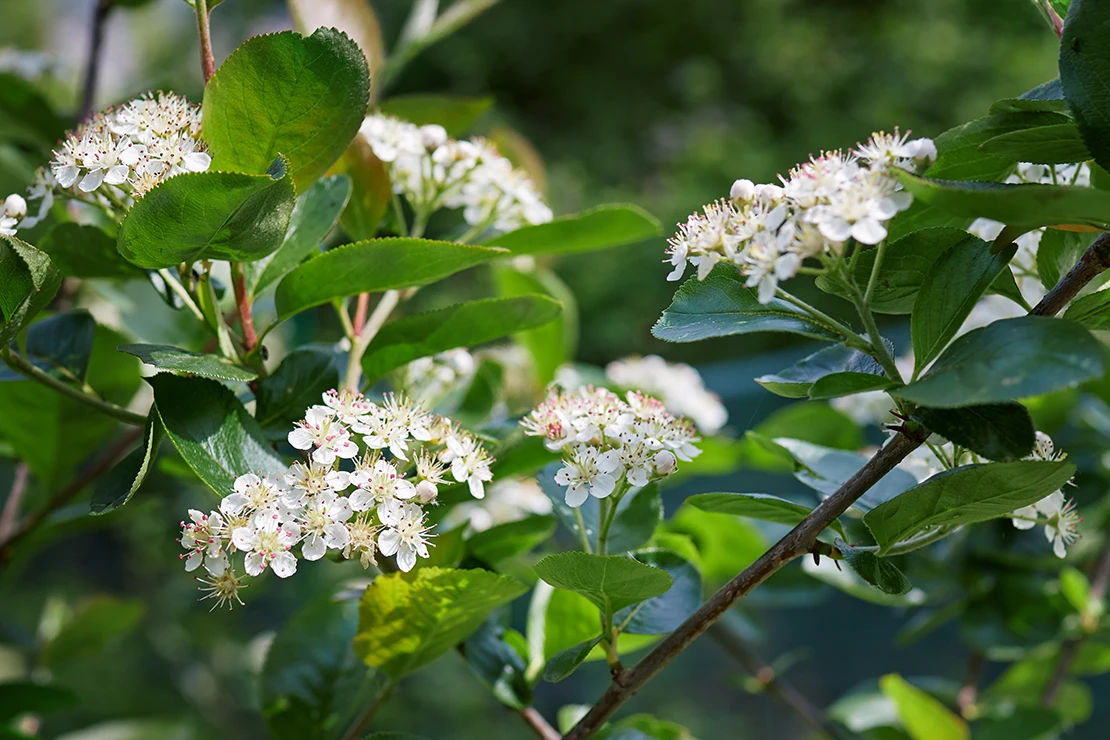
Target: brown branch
799,540
207,61
92,65
771,684
539,725
15,499
243,306
1070,650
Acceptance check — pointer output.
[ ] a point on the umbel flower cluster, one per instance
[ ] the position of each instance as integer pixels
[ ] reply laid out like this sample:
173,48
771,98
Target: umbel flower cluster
433,171
768,231
119,154
356,500
679,386
608,442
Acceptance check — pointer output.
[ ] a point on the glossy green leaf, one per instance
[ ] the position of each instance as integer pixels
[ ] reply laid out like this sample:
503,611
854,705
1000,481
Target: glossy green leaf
208,215
598,228
609,582
183,362
1054,144
825,470
84,251
959,156
116,487
297,383
879,572
761,506
643,727
283,93
721,306
212,431
407,620
923,717
1007,360
373,266
314,215
566,662
29,282
509,539
1085,74
456,114
956,281
797,381
59,345
312,685
556,343
32,697
847,384
1024,723
1000,431
1091,310
664,613
965,495
461,325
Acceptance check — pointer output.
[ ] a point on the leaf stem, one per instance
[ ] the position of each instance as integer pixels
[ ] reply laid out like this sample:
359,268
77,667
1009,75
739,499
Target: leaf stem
173,284
92,65
851,338
363,719
582,530
363,337
243,304
880,351
207,61
872,281
14,501
27,369
539,725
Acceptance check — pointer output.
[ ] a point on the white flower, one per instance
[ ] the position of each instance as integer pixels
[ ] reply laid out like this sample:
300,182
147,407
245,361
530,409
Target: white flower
405,534
469,462
204,537
677,385
322,525
250,493
377,481
12,211
588,473
268,543
320,430
1060,517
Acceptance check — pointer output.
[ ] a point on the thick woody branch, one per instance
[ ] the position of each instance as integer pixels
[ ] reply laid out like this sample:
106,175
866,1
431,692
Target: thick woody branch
1090,265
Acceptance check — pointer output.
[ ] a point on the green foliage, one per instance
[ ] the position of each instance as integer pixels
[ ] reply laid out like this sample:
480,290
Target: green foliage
609,582
287,94
965,495
555,343
495,654
1052,144
60,345
297,383
1085,74
503,541
373,266
598,228
370,190
1057,252
209,215
80,250
1008,360
407,620
834,368
962,151
825,470
1091,310
30,281
923,716
183,362
661,614
762,506
638,513
566,662
32,697
1001,431
120,483
93,628
879,572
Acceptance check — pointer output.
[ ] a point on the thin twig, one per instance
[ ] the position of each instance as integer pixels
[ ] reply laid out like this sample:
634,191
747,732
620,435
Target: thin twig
356,728
370,329
770,684
243,306
28,370
92,65
15,499
539,725
207,61
800,539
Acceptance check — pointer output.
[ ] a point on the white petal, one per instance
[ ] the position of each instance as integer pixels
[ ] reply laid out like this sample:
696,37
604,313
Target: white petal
313,548
254,564
284,565
336,536
233,504
577,495
193,561
868,231
196,162
477,490
244,538
602,485
389,541
117,175
300,438
1059,548
91,181
406,558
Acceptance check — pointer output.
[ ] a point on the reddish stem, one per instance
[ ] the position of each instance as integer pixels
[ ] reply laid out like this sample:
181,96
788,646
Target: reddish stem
361,309
243,306
207,61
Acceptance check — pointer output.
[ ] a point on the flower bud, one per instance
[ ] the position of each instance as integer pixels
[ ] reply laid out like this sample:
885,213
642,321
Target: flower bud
426,492
15,206
742,191
665,462
433,136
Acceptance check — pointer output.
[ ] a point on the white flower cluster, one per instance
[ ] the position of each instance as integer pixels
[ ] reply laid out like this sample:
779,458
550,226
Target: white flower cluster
374,505
677,385
429,379
119,154
607,441
434,171
767,231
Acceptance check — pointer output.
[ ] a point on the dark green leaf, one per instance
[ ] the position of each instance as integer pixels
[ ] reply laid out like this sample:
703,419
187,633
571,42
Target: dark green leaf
409,619
797,380
1001,431
1055,144
956,281
461,325
825,470
208,215
555,343
283,93
1023,724
297,383
965,495
83,251
880,573
314,215
1057,252
500,667
1046,92
503,541
27,697
1091,310
664,613
27,117
457,115
212,431
762,506
1007,360
598,228
846,384
183,362
566,662
959,156
1085,74
312,685
115,488
30,281
482,394
59,345
721,306
372,266
609,582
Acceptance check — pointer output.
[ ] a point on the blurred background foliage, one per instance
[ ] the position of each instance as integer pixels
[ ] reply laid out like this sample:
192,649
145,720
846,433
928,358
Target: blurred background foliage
654,102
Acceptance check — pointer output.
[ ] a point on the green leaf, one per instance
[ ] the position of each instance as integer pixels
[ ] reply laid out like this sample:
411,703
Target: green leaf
83,251
373,266
498,663
726,545
1025,723
503,541
1054,144
409,619
664,613
923,717
720,306
1091,310
601,227
298,382
1000,431
1025,206
761,506
212,431
879,572
825,470
609,582
28,697
566,662
1006,360
59,345
965,495
555,343
1076,589
957,280
93,628
959,156
797,381
643,727
356,18
1057,252
1085,74
461,325
314,216
809,421
26,116
846,384
118,485
183,362
312,685
370,190
283,93
30,281
456,114
208,215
